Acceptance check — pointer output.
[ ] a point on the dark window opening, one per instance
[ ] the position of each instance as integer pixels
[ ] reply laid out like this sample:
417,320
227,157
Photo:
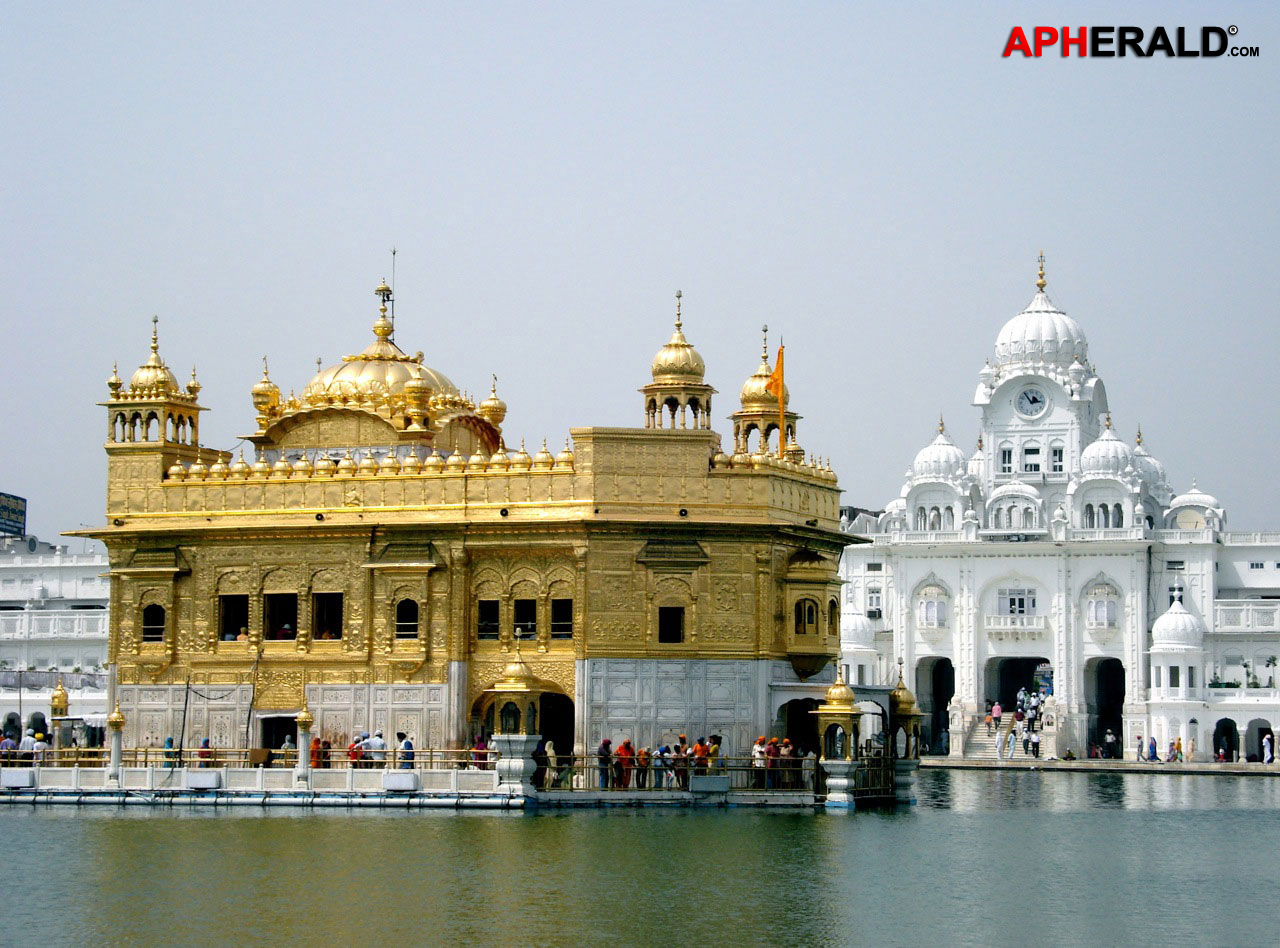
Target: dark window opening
153,624
280,615
806,617
326,616
562,618
487,619
1031,460
233,617
833,617
524,618
406,619
670,625
1056,455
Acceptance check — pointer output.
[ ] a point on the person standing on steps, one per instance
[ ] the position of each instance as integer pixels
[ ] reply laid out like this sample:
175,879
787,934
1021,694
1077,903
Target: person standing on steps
1011,744
996,712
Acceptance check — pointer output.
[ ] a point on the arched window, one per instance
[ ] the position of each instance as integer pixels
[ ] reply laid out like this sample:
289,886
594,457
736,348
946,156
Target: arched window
1088,516
935,519
1028,516
1015,518
1102,606
931,607
833,618
948,518
1117,516
1104,516
153,624
806,615
922,519
406,619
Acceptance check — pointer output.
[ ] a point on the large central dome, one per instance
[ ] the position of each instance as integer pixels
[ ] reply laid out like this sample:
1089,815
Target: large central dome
381,370
1041,333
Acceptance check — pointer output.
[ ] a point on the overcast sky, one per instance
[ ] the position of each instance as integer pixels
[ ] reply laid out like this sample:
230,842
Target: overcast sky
873,183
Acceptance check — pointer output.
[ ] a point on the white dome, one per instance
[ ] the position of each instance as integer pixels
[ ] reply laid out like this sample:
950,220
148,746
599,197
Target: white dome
1177,629
939,458
857,631
1108,456
1194,498
978,464
1149,469
1041,332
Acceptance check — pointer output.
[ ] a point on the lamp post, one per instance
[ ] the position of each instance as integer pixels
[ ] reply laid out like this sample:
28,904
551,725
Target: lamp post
305,721
115,723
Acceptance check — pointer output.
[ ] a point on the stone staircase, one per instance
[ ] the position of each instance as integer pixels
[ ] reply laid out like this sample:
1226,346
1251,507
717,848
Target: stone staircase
981,746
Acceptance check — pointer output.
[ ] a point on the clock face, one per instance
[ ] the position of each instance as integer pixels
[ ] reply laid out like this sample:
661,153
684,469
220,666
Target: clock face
1031,402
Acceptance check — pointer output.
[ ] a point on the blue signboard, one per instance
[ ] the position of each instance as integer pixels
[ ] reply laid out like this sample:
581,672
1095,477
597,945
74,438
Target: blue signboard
13,514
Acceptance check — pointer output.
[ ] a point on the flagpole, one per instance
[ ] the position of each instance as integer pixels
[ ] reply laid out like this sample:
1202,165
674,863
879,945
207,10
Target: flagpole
782,408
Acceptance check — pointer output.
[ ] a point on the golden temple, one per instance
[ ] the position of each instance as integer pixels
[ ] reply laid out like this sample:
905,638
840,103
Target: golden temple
384,554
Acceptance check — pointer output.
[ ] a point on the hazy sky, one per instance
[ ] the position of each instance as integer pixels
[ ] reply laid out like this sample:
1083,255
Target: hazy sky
872,182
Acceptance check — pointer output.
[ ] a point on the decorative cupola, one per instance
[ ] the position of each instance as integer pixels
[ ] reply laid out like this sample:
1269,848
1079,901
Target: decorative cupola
153,413
760,411
678,396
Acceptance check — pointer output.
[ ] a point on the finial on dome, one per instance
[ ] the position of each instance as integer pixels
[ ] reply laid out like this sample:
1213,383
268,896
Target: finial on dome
979,440
155,333
764,347
1139,436
942,428
493,387
384,292
1108,421
678,322
1040,284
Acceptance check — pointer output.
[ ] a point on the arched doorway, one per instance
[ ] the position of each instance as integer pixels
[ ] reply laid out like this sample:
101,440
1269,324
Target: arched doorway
799,725
556,717
1226,738
935,687
1258,729
1104,699
1006,675
12,725
36,721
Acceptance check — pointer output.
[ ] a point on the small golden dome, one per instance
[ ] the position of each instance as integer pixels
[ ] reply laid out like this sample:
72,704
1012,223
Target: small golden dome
493,409
346,463
302,467
304,718
499,461
239,468
434,462
455,462
58,699
197,471
368,465
565,457
477,462
115,382
839,693
218,469
281,468
324,466
177,472
412,464
521,461
260,466
543,460
390,464
153,377
115,720
265,393
678,361
902,702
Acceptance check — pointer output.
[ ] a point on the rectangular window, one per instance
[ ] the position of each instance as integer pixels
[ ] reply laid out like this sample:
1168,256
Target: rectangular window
1175,565
874,567
280,616
524,618
1030,460
1255,566
66,661
1055,455
873,602
233,617
1006,460
862,674
562,618
1173,676
326,616
1155,676
1017,602
670,625
487,619
1191,676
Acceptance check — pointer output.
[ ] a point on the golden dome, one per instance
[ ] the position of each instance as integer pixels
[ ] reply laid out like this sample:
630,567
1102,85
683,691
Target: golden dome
346,463
218,469
493,409
543,460
434,462
521,461
265,392
412,463
302,466
58,699
177,472
565,457
115,720
239,468
153,376
115,382
304,718
756,395
367,464
499,461
678,361
902,702
839,693
380,371
260,466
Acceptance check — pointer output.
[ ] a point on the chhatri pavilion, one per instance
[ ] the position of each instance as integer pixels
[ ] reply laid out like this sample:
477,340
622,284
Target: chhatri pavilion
386,553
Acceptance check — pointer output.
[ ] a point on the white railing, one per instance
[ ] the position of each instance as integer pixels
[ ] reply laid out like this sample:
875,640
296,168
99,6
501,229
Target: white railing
1107,533
1255,538
1184,536
1246,615
1015,627
928,536
55,624
1101,625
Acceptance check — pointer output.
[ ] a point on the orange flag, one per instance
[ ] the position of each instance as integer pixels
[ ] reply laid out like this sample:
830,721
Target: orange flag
775,387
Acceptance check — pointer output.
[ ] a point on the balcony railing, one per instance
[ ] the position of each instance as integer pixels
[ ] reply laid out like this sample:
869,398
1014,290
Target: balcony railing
1184,536
1246,615
1266,537
1015,628
1107,533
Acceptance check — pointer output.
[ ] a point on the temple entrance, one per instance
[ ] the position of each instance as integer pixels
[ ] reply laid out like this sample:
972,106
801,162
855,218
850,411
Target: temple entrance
36,721
1258,729
556,716
1104,698
1006,675
800,726
276,729
935,686
13,725
1226,739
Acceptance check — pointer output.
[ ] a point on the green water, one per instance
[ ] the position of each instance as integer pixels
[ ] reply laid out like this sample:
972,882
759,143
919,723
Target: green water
987,858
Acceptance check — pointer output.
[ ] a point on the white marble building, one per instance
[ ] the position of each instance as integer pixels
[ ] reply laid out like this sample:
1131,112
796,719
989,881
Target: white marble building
1058,548
53,619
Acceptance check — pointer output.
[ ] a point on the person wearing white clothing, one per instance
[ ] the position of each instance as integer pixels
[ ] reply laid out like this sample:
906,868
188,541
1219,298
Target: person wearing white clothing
1013,738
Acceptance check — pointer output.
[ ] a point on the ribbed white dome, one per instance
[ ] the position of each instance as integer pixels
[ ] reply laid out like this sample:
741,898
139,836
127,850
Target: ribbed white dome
1106,456
978,464
939,458
1149,469
1194,498
1177,629
1041,332
856,631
